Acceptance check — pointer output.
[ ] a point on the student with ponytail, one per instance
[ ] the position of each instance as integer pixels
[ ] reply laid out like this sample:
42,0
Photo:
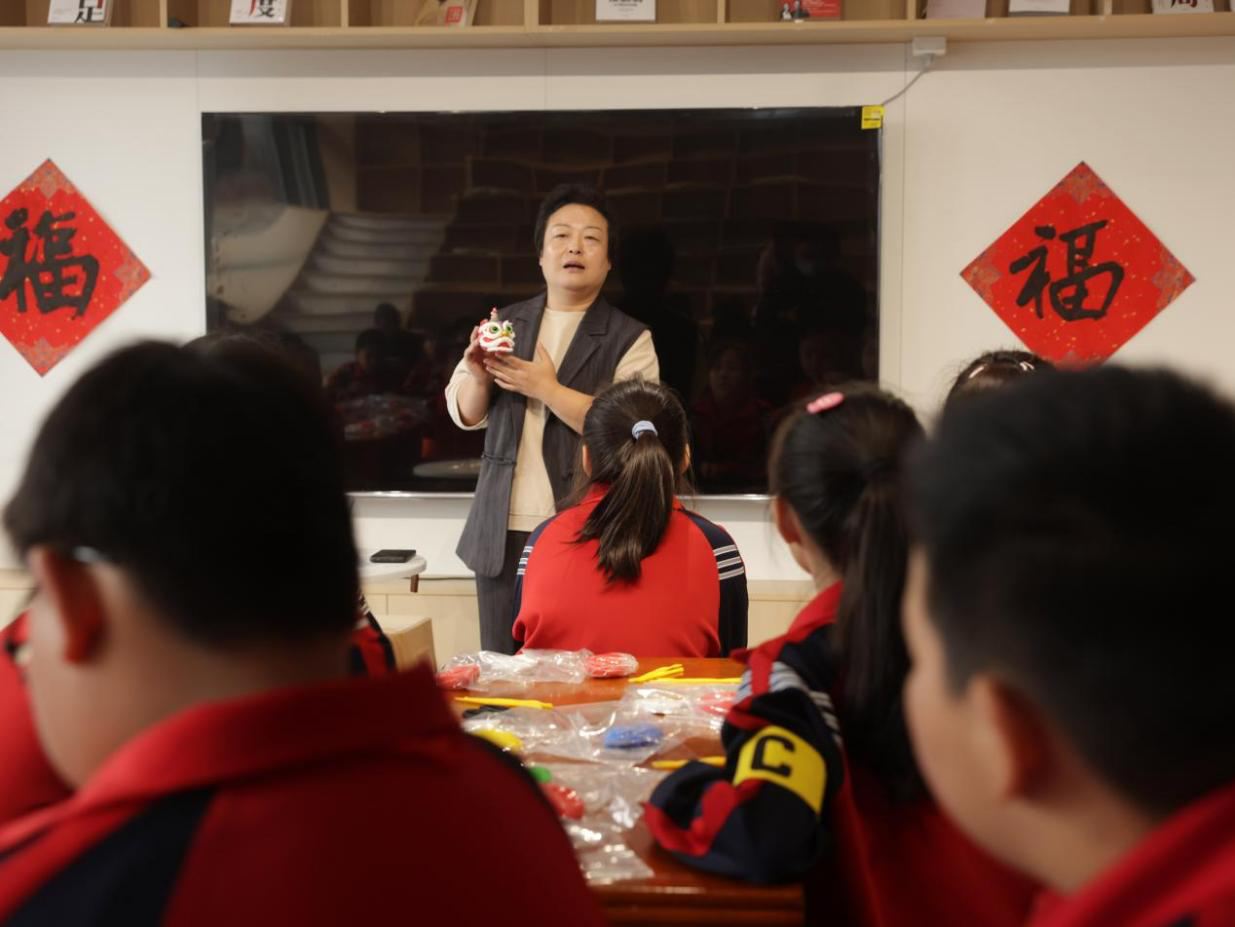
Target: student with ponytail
819,781
625,566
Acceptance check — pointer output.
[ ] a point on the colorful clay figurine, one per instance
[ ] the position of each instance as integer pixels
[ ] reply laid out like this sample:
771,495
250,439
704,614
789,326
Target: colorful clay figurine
496,336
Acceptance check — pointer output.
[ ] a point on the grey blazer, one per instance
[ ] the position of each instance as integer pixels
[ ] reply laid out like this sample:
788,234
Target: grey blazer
603,338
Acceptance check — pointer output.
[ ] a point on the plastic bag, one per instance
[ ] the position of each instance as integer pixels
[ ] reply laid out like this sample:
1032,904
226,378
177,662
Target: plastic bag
494,669
458,674
612,804
613,795
696,710
543,732
599,728
603,854
611,665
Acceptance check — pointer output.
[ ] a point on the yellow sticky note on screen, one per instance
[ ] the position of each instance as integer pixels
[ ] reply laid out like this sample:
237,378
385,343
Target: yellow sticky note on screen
783,758
872,117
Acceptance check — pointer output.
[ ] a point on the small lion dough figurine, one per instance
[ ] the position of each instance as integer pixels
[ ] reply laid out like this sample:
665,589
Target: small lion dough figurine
496,337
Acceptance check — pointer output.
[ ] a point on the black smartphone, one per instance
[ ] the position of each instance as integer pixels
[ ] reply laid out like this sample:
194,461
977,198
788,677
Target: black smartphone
390,555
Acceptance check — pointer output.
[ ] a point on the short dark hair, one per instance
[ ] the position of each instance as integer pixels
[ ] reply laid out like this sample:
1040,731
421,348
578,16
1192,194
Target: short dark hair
387,312
641,472
212,475
993,369
1076,529
564,195
839,471
371,339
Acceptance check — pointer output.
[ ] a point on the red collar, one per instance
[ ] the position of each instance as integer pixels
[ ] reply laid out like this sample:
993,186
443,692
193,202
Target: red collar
1179,869
819,611
595,493
225,741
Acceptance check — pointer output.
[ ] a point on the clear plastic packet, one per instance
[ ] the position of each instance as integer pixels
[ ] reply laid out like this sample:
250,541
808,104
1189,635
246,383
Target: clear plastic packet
610,732
535,666
612,800
541,732
603,854
612,795
611,665
697,710
494,669
459,672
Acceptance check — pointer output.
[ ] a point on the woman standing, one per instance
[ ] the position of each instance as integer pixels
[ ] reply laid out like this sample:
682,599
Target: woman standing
569,344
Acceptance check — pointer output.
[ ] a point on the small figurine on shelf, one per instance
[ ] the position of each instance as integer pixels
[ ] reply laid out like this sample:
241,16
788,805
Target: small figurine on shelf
803,10
785,14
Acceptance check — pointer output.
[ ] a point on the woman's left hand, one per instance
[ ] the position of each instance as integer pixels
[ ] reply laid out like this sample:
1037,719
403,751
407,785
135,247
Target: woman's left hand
535,379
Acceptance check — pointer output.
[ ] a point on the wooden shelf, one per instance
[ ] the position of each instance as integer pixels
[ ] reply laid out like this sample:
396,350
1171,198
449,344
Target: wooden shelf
357,24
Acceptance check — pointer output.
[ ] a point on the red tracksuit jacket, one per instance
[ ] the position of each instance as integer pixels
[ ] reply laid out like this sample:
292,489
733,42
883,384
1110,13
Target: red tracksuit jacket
358,801
27,780
689,601
1181,875
788,805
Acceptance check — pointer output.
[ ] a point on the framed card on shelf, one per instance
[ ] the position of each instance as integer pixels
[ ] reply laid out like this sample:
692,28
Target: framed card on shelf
1038,7
955,9
643,11
80,12
1183,6
446,13
261,13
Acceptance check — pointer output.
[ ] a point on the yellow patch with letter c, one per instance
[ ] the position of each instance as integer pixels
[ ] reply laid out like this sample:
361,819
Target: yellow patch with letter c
785,759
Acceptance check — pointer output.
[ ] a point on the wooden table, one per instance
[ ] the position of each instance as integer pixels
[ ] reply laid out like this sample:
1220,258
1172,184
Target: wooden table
675,894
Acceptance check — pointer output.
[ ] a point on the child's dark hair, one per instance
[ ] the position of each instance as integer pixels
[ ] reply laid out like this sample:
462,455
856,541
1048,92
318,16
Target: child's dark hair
1076,529
564,195
642,472
839,471
213,475
993,369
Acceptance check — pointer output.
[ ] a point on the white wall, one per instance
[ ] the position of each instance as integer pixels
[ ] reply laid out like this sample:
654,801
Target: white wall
998,125
966,151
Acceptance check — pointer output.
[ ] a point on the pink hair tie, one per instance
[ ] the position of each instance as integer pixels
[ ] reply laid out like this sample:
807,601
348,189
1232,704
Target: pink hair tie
825,402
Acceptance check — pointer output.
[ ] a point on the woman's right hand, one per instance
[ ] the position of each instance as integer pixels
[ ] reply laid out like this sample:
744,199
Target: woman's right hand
474,357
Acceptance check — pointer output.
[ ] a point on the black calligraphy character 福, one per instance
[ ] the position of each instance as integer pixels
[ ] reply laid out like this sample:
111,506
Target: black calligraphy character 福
59,279
264,8
1068,295
1038,277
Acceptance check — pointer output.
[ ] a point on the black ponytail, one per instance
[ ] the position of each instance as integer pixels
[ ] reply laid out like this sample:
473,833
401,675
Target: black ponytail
839,470
641,472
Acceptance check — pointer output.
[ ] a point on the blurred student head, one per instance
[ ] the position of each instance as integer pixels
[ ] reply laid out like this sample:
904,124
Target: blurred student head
1071,684
991,370
183,516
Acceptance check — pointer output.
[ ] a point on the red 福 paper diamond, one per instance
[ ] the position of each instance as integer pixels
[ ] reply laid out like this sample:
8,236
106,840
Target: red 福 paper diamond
1079,274
62,268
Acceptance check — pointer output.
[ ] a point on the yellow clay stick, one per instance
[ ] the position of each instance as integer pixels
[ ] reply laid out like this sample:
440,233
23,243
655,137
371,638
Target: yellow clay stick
678,764
506,702
674,669
703,681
